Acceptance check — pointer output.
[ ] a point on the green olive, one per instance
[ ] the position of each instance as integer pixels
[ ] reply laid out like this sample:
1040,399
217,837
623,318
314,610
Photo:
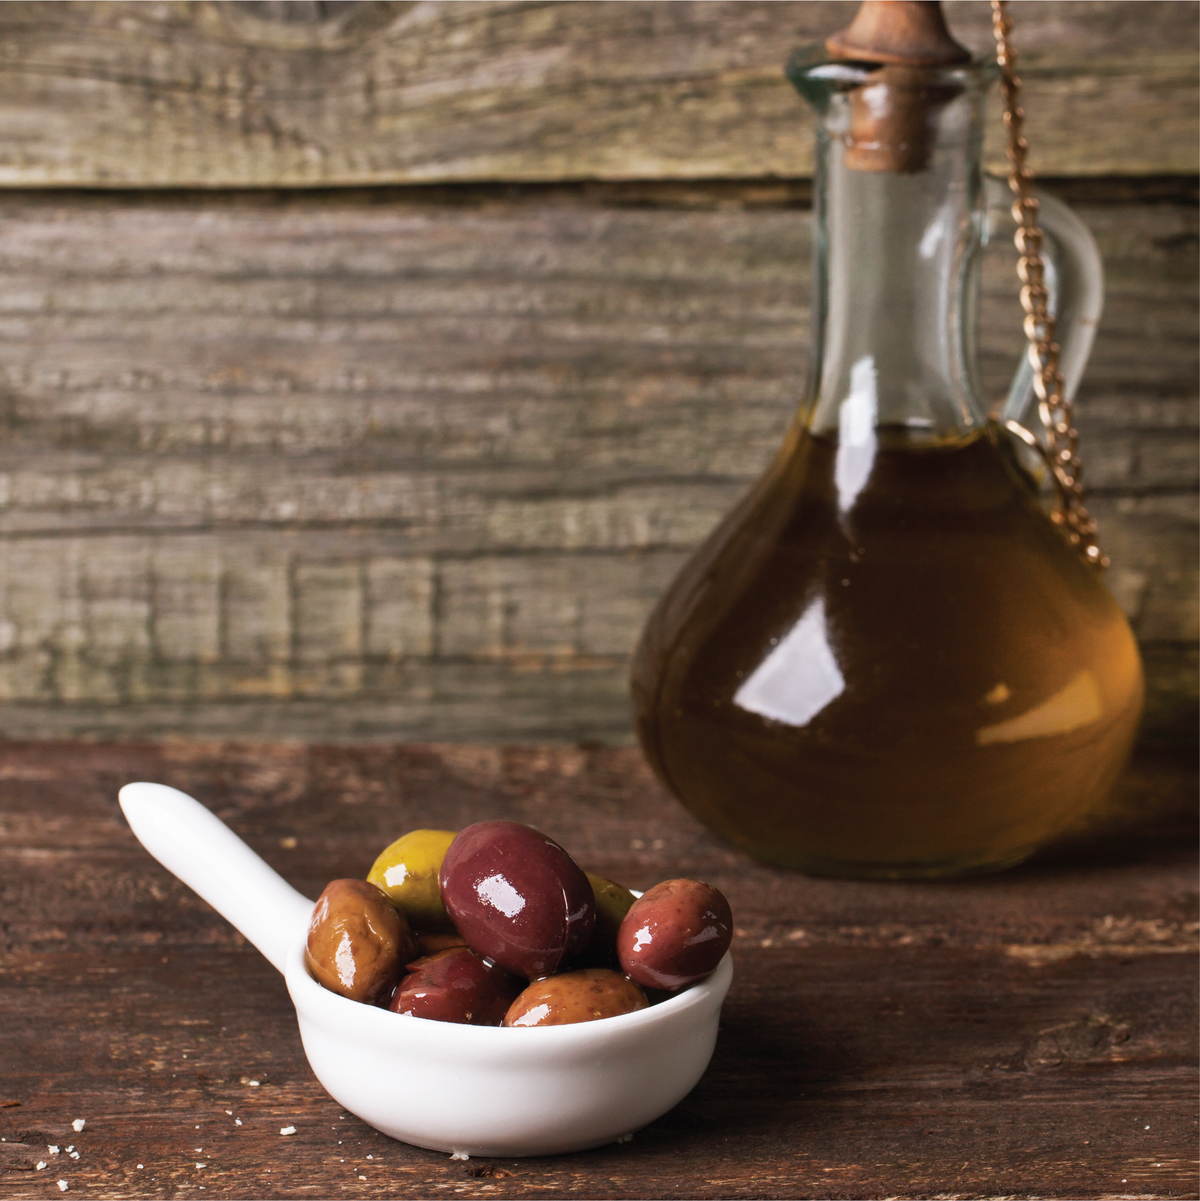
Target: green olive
612,904
408,872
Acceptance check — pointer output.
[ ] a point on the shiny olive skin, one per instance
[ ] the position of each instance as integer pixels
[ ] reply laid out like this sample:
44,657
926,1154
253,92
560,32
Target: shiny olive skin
358,942
456,985
407,871
517,897
675,934
583,996
612,904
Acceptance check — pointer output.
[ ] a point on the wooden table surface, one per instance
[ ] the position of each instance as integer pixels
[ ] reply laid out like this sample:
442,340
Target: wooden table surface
1026,1034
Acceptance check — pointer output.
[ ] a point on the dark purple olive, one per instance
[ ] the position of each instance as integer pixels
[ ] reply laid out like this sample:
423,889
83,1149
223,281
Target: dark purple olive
582,996
358,942
517,897
455,985
675,934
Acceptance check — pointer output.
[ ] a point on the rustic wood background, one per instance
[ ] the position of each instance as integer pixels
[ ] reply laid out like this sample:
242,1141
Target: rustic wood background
366,369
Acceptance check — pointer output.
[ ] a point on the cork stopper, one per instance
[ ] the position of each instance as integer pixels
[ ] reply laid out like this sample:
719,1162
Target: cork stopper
911,33
893,117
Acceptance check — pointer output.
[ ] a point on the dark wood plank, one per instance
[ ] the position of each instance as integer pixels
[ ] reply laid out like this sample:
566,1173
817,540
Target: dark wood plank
1028,1034
349,469
222,94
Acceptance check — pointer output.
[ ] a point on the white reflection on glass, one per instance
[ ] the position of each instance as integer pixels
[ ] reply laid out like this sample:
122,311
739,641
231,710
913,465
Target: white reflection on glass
935,233
856,433
799,677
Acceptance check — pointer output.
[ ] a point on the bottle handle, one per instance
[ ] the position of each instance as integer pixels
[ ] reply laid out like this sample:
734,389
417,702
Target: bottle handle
1075,283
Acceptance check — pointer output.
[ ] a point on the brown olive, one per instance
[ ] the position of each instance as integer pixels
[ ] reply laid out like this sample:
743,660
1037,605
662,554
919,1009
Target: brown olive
582,996
675,934
430,944
358,942
455,985
612,904
517,897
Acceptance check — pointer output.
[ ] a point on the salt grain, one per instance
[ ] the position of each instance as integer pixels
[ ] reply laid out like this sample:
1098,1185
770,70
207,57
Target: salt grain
74,1154
52,1148
78,1124
202,1165
41,1163
237,1121
287,1129
62,1186
141,1165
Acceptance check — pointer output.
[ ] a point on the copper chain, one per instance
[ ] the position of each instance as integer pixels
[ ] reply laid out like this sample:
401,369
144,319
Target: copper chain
1062,438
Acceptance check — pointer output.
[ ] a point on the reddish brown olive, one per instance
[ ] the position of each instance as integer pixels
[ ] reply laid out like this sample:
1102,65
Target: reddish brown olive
358,942
517,897
675,934
455,985
583,996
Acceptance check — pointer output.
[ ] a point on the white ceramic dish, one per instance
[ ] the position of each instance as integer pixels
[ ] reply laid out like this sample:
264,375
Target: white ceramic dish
463,1089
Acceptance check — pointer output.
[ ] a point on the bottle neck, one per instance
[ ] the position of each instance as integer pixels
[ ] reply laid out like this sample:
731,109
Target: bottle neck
895,281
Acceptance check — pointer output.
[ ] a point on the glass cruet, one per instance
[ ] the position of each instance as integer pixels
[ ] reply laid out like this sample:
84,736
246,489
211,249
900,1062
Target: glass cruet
887,661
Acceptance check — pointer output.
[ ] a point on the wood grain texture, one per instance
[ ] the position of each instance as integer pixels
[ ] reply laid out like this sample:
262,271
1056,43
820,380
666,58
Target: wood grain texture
210,94
362,470
1028,1034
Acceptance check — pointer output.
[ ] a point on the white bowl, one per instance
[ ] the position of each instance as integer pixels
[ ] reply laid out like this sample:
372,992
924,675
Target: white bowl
473,1090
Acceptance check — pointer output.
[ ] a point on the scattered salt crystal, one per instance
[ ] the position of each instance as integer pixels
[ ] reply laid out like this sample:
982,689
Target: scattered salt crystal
287,1129
141,1165
74,1154
78,1124
52,1148
63,1186
363,1178
370,1156
460,1155
254,1083
41,1163
237,1121
229,1112
202,1165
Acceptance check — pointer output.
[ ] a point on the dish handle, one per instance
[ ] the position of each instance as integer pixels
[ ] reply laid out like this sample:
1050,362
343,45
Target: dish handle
195,845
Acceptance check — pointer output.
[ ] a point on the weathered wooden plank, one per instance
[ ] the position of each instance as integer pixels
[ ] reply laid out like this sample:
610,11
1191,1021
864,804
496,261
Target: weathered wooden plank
220,94
1006,1036
336,456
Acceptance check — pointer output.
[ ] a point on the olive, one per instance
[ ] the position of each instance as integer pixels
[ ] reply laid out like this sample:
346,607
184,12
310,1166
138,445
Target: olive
455,985
582,996
612,904
517,897
358,942
675,934
408,872
430,944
